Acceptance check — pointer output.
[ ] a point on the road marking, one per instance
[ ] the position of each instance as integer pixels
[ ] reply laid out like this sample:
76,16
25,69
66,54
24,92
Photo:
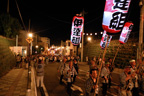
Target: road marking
33,81
83,70
81,79
74,87
115,83
77,87
45,91
111,93
44,88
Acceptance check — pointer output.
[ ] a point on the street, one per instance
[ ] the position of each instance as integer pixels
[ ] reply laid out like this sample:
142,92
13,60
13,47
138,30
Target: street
51,81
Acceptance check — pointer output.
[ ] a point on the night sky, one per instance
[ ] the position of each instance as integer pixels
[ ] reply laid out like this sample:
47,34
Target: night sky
53,19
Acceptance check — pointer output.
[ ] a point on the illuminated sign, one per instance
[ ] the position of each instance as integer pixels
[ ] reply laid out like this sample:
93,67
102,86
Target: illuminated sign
76,30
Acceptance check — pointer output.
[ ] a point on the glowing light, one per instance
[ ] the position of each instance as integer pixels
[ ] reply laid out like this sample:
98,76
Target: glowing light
37,46
25,51
89,38
30,35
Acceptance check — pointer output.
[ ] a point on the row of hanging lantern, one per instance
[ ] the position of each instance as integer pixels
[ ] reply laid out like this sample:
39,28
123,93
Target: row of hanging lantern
92,34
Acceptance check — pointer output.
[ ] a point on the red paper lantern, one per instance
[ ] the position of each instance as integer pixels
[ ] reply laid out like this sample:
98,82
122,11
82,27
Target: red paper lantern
114,15
76,30
104,40
126,32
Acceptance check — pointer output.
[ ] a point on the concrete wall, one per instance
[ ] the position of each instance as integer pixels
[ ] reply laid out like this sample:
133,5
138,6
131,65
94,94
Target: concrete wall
7,58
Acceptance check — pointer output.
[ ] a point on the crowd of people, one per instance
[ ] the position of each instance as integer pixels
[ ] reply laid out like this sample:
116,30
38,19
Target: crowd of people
99,81
131,80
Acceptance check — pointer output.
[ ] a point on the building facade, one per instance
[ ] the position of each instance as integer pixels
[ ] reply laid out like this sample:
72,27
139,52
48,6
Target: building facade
69,48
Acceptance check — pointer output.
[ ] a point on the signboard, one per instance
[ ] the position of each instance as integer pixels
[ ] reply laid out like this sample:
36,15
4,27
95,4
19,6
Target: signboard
114,15
29,40
76,30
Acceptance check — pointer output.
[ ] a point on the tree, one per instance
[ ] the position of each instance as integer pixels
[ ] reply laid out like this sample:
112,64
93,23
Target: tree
9,26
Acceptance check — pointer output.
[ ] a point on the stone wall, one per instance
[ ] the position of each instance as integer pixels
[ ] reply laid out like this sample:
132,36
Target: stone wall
126,52
7,58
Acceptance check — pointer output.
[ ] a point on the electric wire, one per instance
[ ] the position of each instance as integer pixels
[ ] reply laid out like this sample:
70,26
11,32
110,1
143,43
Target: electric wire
20,15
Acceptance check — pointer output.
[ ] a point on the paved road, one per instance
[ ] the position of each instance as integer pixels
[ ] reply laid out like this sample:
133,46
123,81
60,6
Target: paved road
51,81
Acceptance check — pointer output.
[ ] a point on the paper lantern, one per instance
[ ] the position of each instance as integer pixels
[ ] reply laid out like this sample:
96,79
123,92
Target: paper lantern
76,30
126,32
114,15
104,40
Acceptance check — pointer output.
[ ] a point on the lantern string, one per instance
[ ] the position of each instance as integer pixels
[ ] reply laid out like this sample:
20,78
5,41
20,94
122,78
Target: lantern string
93,20
59,20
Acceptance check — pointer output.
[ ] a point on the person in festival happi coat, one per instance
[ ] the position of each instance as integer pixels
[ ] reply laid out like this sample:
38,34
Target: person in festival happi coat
111,68
141,75
61,69
87,59
75,64
60,58
70,74
105,74
134,71
40,72
94,58
91,87
126,84
93,65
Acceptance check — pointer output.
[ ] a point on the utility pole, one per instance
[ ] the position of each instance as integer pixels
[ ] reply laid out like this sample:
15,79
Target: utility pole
140,49
31,42
29,25
8,7
83,13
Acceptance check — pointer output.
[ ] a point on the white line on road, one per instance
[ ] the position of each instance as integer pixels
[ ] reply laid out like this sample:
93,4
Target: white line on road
83,70
111,93
81,79
74,87
45,91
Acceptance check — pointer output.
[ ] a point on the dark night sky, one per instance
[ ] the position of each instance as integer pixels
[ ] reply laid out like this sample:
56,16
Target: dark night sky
53,19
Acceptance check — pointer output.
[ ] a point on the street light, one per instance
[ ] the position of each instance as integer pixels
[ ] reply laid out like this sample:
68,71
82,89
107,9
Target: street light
30,35
89,38
36,46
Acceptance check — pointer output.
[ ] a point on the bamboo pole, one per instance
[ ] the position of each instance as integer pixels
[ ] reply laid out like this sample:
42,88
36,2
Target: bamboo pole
116,54
101,63
99,56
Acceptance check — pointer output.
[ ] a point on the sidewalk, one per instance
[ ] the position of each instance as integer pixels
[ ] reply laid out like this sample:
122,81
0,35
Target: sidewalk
14,83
